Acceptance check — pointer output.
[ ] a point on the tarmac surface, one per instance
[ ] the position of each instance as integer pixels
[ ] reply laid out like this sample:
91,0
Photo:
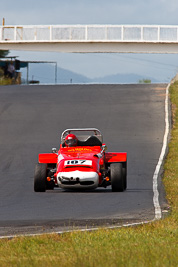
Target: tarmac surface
32,118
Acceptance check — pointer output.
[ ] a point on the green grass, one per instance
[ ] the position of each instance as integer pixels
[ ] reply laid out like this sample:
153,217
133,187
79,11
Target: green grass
153,244
171,164
5,81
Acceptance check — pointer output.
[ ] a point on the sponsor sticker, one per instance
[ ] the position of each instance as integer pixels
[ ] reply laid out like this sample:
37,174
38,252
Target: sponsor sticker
75,149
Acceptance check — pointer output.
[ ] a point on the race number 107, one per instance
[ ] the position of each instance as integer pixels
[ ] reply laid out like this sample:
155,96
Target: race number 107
78,162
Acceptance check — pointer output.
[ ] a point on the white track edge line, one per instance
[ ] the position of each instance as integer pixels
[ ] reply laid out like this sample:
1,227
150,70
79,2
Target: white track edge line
78,230
158,213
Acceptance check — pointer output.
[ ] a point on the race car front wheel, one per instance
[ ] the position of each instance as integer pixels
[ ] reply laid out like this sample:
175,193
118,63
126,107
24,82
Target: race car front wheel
40,177
117,178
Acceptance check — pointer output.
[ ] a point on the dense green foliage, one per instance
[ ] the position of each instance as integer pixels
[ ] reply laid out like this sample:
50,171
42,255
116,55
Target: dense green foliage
145,81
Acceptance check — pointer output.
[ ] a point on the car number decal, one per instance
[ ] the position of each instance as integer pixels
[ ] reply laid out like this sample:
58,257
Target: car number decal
78,162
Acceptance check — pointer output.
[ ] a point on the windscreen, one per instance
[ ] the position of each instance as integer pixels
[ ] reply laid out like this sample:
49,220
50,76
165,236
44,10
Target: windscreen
82,134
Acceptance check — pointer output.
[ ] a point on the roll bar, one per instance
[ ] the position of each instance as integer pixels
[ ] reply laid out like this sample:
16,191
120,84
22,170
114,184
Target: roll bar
94,130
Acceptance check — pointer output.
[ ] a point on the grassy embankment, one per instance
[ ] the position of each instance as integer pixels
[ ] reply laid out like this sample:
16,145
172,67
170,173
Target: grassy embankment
5,81
154,244
8,81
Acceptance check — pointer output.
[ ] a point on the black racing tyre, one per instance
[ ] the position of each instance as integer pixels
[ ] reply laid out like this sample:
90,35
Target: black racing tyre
40,177
117,180
124,171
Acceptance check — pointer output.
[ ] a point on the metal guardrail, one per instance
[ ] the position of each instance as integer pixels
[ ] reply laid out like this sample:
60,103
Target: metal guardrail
89,33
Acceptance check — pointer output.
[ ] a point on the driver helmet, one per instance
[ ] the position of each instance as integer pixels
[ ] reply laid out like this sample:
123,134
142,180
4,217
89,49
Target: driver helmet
71,140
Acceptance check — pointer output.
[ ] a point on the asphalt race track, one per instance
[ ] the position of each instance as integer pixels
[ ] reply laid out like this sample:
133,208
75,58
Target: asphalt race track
132,120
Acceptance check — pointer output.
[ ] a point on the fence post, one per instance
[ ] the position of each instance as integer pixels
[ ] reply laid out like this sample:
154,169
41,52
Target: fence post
15,33
158,33
86,33
50,33
122,33
141,33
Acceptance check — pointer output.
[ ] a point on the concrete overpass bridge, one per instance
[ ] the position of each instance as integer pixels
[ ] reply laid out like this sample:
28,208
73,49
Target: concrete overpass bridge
91,38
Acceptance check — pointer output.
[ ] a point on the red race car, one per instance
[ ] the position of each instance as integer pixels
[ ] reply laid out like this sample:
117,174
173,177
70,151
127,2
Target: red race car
81,163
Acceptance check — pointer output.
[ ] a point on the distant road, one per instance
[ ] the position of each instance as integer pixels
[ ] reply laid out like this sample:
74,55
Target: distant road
131,118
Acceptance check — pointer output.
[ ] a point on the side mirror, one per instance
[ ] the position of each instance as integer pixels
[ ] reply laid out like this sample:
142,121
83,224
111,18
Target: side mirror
54,150
104,147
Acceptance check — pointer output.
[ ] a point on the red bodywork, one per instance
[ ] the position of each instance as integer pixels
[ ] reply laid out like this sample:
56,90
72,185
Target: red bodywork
75,156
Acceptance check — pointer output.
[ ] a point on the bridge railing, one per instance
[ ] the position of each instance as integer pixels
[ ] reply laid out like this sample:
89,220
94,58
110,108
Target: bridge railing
89,33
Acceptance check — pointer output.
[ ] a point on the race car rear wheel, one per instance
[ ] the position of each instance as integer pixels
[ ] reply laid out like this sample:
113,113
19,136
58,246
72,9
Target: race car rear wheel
124,171
40,177
117,178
